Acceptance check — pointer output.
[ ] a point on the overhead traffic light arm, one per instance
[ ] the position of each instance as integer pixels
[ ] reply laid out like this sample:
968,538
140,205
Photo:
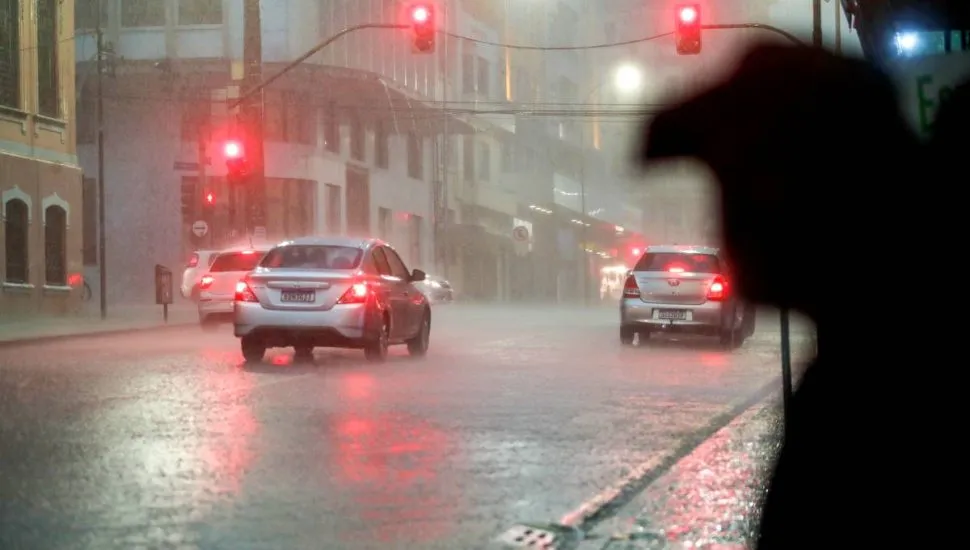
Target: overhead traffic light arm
770,28
309,53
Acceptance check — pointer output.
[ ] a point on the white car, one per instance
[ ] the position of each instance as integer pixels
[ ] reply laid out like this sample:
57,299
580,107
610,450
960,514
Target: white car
195,268
338,292
217,288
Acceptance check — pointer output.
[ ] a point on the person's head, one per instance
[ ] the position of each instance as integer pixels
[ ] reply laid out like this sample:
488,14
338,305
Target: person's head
799,140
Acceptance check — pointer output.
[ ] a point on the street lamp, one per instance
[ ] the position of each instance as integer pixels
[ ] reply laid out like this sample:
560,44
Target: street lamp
628,78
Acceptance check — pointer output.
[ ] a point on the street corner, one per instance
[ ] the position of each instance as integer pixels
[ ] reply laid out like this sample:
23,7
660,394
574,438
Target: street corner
709,499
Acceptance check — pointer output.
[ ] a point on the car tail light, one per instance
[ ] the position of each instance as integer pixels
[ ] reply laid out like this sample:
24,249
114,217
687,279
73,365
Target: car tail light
244,293
206,282
193,261
630,287
356,294
718,289
675,269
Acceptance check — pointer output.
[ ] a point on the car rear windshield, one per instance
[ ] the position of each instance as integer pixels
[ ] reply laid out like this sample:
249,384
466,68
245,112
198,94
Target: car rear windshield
313,257
679,261
236,261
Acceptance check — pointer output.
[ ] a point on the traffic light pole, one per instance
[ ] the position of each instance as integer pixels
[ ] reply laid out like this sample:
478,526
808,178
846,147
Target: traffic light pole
102,215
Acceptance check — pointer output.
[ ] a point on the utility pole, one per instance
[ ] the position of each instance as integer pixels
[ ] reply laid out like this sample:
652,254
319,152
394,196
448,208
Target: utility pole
251,115
102,263
817,23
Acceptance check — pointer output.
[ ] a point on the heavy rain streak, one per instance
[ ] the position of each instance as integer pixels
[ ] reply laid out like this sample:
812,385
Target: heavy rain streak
361,274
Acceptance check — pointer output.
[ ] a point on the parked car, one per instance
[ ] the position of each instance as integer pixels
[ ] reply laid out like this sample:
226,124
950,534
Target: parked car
337,292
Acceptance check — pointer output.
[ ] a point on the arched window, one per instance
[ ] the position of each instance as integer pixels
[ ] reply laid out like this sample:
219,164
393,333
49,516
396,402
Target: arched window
55,245
16,221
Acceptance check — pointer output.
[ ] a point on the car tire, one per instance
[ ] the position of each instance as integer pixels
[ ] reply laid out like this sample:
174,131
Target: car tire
627,334
376,349
253,350
418,346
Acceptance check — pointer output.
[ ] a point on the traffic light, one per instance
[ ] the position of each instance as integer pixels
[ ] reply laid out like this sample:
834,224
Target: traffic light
235,158
209,198
423,26
688,29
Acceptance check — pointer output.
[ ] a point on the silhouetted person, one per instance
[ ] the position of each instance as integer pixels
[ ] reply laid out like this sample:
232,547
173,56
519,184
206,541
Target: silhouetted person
829,208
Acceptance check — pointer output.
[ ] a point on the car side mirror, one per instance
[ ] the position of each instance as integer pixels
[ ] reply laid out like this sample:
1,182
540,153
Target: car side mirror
417,275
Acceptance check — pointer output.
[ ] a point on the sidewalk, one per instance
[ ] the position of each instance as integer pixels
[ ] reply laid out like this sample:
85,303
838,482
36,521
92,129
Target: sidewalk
710,499
121,318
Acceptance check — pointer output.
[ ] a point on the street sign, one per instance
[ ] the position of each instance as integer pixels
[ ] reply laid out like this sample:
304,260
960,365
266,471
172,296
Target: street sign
200,228
520,233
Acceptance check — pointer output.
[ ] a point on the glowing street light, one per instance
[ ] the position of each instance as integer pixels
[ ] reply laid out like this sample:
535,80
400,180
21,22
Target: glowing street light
628,78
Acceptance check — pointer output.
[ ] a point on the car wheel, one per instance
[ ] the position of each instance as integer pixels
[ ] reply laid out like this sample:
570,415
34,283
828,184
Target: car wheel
418,346
253,349
376,349
626,335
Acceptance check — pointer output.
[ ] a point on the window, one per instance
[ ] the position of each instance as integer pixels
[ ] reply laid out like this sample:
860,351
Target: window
15,229
10,53
86,14
382,153
236,261
333,209
398,269
200,12
142,13
384,223
468,73
484,77
380,260
484,161
304,256
331,130
415,166
89,211
468,157
688,263
55,245
356,138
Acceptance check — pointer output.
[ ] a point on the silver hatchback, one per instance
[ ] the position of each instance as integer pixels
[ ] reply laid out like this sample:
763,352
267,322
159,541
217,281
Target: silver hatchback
336,292
683,289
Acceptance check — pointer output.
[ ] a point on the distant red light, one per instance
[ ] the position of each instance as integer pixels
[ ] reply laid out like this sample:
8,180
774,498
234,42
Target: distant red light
210,198
688,14
636,251
420,14
233,149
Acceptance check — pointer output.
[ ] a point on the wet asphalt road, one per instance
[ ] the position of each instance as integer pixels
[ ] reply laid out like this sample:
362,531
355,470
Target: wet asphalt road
167,440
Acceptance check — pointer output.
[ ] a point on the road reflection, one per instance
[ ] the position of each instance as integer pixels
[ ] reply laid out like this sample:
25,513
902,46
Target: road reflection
390,462
227,445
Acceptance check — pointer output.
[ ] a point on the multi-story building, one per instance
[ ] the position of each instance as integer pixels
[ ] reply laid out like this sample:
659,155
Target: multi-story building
365,137
40,181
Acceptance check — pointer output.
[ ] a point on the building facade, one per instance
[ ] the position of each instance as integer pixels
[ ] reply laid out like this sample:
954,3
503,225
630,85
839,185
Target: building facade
40,180
365,137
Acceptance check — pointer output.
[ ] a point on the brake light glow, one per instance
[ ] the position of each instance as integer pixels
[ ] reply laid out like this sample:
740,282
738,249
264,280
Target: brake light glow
675,269
356,294
249,252
718,289
193,261
630,287
244,293
206,282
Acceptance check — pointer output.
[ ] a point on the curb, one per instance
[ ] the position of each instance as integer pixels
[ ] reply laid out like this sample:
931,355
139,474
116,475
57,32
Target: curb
33,340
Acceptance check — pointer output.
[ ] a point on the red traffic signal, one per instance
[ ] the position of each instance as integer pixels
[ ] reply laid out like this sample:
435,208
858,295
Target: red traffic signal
423,26
688,29
210,198
233,149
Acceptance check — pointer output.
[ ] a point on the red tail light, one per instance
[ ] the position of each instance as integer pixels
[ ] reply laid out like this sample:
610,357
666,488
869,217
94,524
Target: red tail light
356,294
630,287
193,261
206,282
244,293
718,289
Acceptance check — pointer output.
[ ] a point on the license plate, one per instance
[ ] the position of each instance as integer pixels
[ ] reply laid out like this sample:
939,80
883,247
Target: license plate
672,314
298,296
